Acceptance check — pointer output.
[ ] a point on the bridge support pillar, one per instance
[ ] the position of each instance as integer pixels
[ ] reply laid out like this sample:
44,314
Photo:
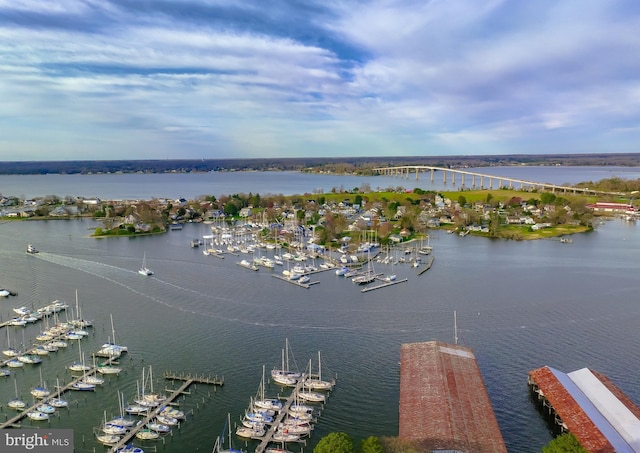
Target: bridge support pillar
499,183
417,173
444,176
433,172
462,177
473,181
490,183
510,184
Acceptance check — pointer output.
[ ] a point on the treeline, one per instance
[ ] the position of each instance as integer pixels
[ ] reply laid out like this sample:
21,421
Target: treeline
613,185
359,165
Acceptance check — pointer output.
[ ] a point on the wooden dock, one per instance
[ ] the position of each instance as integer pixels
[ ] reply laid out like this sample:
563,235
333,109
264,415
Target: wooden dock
427,266
264,441
296,282
383,285
188,380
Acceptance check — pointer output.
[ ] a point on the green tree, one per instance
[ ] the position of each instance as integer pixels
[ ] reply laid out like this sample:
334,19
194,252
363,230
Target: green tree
462,200
335,443
358,200
371,445
565,443
547,198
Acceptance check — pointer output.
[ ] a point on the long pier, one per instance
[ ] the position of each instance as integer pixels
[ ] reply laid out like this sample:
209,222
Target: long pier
188,380
406,170
268,437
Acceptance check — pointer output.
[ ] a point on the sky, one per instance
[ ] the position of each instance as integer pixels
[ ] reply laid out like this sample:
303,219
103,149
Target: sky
191,79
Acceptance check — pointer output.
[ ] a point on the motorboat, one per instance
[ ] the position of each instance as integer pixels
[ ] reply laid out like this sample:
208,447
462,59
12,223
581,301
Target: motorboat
31,249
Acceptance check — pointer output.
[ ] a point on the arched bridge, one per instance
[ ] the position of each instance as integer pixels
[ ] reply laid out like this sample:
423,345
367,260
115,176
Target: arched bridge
484,181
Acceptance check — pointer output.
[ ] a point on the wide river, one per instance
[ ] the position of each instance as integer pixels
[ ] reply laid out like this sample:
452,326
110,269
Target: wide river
519,305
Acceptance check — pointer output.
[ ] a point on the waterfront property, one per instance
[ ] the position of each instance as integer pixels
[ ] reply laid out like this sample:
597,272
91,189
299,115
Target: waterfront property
444,404
589,406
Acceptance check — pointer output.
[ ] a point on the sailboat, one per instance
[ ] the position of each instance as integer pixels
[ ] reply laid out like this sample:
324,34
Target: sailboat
41,391
144,270
369,274
315,382
112,350
10,352
306,394
16,403
58,402
79,367
261,402
283,375
218,446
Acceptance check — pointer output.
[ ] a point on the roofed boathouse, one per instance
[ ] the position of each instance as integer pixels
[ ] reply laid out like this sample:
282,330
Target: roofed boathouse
444,404
588,405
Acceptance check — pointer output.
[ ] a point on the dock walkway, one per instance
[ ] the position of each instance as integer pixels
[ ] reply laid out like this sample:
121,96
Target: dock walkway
188,380
281,415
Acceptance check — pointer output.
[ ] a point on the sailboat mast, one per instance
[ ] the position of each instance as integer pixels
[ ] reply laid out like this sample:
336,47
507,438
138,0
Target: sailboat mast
455,327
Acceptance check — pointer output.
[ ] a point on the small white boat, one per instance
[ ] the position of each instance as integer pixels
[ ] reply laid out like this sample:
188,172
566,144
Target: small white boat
147,434
14,363
40,392
16,404
144,270
31,249
108,369
83,386
159,427
93,380
108,439
45,408
314,397
304,279
58,402
250,433
38,416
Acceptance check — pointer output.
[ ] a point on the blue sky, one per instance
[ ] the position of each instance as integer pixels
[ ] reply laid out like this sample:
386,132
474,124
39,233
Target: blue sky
163,79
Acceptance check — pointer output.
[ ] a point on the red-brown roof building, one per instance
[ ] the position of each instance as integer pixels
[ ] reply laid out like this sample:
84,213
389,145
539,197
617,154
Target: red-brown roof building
444,404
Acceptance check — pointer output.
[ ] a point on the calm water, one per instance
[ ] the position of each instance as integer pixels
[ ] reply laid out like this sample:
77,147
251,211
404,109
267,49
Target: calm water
520,305
191,186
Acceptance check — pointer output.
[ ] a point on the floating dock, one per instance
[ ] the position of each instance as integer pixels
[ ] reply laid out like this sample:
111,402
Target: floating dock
444,404
188,380
425,268
296,282
383,285
588,405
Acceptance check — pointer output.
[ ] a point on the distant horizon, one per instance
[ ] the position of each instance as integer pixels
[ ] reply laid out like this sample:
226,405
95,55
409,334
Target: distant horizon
225,80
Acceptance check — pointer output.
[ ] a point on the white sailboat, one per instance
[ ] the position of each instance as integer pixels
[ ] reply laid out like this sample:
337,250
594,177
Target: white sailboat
284,376
315,382
111,349
261,402
219,445
10,352
144,270
306,394
16,403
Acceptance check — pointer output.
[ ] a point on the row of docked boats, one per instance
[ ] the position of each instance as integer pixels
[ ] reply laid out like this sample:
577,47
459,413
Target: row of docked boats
285,419
147,418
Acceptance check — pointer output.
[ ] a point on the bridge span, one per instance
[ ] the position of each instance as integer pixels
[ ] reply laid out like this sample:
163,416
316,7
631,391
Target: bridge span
479,180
